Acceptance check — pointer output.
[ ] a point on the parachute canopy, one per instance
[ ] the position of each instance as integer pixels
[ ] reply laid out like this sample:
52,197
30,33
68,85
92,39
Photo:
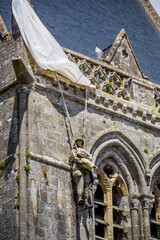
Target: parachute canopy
45,50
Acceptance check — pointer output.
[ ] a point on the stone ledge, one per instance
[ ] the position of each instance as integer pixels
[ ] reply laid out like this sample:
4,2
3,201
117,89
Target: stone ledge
99,73
111,107
22,73
50,161
109,67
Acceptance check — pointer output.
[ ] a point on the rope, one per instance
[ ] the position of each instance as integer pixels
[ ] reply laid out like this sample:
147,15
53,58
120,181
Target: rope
65,106
85,117
67,113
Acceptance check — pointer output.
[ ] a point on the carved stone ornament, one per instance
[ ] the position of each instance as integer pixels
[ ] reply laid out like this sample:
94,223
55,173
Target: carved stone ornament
146,204
157,96
134,204
103,79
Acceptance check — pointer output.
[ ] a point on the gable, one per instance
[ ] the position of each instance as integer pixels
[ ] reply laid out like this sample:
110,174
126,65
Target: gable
121,56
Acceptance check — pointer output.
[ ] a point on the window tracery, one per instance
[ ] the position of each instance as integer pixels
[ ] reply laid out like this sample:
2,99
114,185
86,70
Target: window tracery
111,205
155,212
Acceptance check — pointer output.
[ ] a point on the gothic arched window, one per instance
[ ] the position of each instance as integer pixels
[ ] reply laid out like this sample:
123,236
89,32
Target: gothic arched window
155,212
111,205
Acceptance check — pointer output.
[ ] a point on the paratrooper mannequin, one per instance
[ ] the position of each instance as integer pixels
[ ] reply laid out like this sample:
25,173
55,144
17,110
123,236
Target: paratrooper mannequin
81,166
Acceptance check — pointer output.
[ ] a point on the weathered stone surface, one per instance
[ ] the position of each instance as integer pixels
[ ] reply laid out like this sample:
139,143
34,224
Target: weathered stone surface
8,228
122,133
51,203
3,29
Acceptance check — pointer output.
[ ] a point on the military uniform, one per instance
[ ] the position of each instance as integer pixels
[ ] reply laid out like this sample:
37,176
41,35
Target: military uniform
81,175
81,166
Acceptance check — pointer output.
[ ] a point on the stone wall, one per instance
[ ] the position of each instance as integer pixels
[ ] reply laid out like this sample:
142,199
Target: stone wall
8,143
8,197
51,209
48,136
9,138
38,199
47,126
8,184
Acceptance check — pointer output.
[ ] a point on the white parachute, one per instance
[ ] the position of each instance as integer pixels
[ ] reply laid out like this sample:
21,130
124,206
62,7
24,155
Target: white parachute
46,51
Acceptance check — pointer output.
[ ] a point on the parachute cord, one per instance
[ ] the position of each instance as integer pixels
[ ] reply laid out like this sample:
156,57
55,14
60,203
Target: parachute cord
85,117
65,107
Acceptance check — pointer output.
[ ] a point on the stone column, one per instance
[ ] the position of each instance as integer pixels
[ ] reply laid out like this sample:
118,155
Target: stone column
134,208
108,216
146,205
22,91
158,213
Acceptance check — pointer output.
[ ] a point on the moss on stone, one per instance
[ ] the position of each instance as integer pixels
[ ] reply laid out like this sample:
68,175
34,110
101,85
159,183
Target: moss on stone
44,171
17,176
27,168
145,150
4,164
27,155
108,86
17,203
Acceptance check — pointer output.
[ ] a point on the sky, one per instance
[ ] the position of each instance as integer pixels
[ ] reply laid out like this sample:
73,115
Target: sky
156,5
81,25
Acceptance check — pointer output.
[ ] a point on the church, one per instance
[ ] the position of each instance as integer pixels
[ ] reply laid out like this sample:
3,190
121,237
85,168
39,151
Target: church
42,112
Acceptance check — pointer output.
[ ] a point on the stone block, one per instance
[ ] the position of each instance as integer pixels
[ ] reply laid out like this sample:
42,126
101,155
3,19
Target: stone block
50,235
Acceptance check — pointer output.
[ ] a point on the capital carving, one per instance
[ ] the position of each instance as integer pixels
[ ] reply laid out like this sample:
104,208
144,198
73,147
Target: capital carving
148,173
134,204
147,202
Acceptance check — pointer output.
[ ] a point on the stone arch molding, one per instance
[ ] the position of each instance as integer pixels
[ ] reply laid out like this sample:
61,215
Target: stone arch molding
116,149
154,168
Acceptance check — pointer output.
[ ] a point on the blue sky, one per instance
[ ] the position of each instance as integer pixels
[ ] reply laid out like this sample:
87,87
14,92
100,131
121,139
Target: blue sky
156,5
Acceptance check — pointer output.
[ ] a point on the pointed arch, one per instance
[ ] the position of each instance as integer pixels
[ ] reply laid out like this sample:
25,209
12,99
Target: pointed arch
154,160
154,167
117,149
122,184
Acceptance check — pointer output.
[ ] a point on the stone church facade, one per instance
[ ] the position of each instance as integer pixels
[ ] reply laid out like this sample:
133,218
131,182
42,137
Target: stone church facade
37,193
